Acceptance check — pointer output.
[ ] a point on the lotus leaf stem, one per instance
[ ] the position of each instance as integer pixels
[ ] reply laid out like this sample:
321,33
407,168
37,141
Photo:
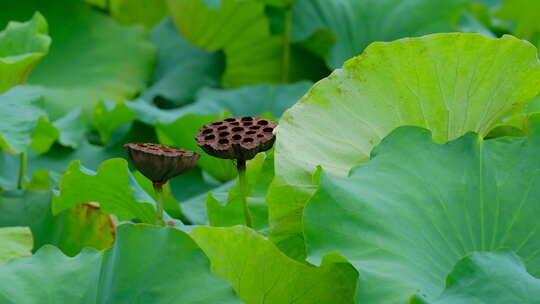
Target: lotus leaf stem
22,171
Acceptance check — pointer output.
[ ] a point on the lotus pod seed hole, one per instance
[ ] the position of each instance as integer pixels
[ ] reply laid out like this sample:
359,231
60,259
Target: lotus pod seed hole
247,124
237,137
268,129
223,141
222,134
207,131
210,137
248,140
246,118
217,123
250,132
260,135
222,128
255,127
230,119
235,123
262,122
237,129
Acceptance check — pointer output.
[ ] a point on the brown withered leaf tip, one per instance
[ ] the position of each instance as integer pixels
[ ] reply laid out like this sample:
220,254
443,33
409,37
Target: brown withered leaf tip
237,138
159,163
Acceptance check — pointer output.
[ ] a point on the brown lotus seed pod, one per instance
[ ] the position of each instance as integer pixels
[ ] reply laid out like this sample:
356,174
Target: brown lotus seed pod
238,138
160,163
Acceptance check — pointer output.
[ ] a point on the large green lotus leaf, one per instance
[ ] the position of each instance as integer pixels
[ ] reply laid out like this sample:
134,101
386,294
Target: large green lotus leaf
181,69
181,133
83,66
260,273
22,45
24,123
238,27
408,215
524,15
230,212
112,186
72,230
447,83
146,12
146,265
61,278
356,24
498,277
16,243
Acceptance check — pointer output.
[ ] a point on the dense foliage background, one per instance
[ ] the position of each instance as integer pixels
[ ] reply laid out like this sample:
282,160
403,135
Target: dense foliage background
404,169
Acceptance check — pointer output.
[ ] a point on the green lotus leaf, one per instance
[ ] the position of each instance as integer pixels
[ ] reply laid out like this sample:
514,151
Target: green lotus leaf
523,14
89,152
24,123
58,158
251,100
195,192
44,135
71,128
22,45
16,243
175,56
112,186
498,277
102,4
356,24
146,265
181,134
260,273
40,181
83,226
447,83
408,215
109,116
72,230
245,101
278,3
83,66
239,28
471,21
143,12
230,212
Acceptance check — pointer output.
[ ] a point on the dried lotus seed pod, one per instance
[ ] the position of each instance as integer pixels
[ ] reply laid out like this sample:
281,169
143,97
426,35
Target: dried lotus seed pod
160,163
237,138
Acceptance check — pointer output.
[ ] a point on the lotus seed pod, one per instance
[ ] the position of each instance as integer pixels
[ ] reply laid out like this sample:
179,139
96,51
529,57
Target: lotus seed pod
237,138
160,163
